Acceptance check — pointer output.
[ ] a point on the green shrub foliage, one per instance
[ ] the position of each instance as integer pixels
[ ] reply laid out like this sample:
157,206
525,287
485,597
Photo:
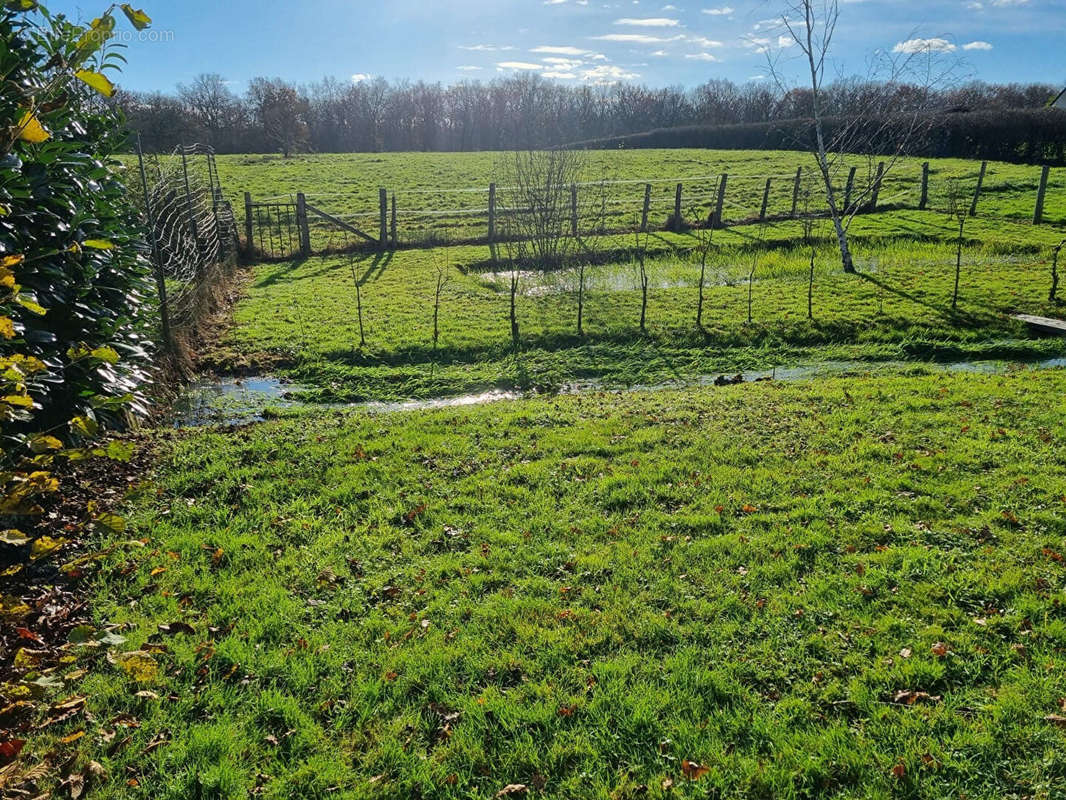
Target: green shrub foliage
73,272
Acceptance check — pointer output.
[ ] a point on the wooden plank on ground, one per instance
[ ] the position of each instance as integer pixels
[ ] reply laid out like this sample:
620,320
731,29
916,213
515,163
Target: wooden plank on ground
1044,323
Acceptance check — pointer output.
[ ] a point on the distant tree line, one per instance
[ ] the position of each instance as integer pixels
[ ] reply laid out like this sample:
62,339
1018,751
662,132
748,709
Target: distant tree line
1028,136
527,111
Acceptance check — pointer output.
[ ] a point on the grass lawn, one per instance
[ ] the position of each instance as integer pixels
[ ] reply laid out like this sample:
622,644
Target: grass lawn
301,318
841,588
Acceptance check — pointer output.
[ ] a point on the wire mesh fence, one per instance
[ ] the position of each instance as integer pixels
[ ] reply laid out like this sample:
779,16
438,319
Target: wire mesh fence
193,236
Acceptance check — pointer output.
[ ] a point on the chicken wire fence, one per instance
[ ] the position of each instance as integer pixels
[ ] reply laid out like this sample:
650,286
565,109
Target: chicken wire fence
192,233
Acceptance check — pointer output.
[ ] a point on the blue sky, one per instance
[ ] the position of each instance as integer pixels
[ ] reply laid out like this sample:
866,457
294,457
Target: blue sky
678,42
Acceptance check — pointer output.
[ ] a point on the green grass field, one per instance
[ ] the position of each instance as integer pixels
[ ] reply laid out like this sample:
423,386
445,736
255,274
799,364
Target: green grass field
301,318
347,185
840,588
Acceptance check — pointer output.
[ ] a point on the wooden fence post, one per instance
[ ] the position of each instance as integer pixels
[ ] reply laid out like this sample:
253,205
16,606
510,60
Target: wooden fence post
573,210
383,204
877,186
849,188
1038,216
924,202
248,233
395,240
679,223
301,223
492,213
765,200
719,206
977,191
647,208
796,190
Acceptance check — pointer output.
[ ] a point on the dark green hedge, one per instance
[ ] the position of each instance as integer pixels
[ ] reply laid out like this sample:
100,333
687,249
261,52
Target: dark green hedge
1028,137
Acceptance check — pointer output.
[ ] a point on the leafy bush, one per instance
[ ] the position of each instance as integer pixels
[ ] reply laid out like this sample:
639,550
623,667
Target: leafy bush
73,277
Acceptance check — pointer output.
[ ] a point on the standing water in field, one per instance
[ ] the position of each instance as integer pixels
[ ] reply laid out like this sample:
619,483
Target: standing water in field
239,401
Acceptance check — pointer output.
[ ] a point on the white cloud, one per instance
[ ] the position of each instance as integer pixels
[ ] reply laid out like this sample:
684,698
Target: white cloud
703,41
608,73
652,22
563,76
485,48
468,68
701,57
561,51
936,45
724,11
635,38
519,65
977,46
359,77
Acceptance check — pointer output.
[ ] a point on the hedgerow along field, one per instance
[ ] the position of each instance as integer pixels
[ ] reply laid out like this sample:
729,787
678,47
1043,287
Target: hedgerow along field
839,588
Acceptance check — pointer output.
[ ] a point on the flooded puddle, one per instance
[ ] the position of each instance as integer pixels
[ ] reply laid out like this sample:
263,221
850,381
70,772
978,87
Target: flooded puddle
239,401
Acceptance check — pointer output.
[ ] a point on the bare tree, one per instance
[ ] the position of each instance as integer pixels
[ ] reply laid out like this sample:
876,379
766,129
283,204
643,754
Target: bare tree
811,26
807,222
537,201
704,238
515,254
591,204
358,300
443,270
642,274
1053,294
281,112
959,211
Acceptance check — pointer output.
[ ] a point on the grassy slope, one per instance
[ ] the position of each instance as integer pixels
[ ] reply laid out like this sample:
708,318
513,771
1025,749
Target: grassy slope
302,316
569,593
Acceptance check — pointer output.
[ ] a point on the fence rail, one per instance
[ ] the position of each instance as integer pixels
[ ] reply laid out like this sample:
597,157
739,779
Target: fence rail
285,226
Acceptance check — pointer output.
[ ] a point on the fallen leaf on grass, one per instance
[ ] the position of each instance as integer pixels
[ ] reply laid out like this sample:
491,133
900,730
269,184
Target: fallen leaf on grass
693,770
138,665
174,628
899,771
910,698
1056,719
11,748
512,790
940,649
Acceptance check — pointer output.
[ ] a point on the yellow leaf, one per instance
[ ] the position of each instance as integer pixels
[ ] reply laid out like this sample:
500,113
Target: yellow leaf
20,400
31,130
14,538
137,18
93,39
7,328
108,354
29,305
73,737
85,426
98,244
97,81
42,444
45,546
26,659
13,607
138,665
12,261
